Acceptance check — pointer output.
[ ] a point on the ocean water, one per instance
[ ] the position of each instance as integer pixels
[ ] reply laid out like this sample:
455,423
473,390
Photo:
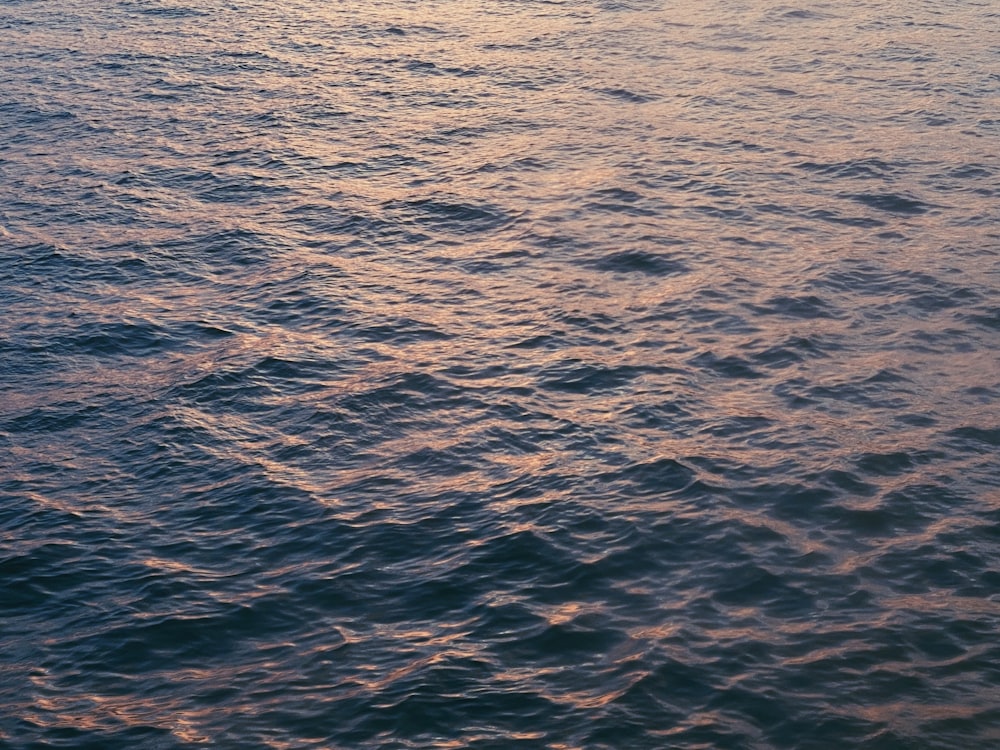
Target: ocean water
500,374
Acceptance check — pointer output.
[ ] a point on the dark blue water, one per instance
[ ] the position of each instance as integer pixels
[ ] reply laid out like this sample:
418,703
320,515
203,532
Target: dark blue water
499,374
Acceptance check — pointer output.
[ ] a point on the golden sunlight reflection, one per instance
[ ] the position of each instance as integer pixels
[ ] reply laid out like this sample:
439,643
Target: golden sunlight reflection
101,713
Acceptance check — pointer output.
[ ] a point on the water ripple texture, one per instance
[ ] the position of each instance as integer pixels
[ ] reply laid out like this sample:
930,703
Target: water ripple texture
568,375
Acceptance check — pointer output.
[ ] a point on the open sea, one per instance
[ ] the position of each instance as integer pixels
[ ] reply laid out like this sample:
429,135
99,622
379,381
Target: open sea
557,375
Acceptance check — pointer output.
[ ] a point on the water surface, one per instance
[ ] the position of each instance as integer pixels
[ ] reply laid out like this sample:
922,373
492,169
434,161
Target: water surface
499,374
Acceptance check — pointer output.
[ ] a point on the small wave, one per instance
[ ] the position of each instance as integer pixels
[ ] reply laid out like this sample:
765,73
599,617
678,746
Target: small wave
729,366
118,339
864,222
460,218
979,437
800,14
755,586
637,261
654,477
870,168
892,203
807,307
626,95
914,289
398,331
164,11
586,378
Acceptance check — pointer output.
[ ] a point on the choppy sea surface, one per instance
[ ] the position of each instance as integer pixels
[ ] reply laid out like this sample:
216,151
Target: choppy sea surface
499,374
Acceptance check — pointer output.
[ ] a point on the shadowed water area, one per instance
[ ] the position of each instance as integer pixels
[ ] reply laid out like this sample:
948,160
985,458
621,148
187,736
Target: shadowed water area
499,374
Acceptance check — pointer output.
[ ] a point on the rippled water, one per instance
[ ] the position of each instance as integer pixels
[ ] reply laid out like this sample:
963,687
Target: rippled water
582,374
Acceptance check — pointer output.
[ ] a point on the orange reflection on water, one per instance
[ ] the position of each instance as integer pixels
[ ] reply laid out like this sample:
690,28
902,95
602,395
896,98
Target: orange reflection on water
911,719
113,713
